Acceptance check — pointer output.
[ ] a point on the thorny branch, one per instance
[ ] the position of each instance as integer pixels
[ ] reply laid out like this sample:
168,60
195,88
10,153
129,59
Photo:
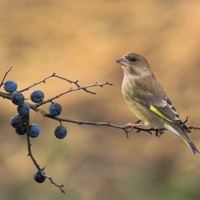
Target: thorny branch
30,154
77,86
35,108
67,80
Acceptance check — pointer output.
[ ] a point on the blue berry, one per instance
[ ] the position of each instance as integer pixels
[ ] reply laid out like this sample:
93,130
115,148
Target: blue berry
60,132
37,96
20,130
17,121
34,130
10,86
17,98
39,177
55,109
23,109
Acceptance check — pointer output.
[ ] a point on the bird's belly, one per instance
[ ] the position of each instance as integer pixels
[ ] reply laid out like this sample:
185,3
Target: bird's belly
143,113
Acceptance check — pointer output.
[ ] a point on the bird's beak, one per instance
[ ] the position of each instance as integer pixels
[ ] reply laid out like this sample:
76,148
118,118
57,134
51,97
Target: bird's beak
122,61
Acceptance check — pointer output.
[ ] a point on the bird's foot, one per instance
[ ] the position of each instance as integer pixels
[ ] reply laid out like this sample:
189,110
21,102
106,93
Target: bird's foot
131,126
159,132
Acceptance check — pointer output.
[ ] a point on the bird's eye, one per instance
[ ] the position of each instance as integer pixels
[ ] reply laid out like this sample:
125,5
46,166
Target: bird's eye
132,59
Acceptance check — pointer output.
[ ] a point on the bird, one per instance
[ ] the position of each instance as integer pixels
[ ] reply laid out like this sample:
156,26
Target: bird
147,99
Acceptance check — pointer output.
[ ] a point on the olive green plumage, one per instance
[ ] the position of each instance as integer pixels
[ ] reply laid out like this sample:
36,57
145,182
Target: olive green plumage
147,99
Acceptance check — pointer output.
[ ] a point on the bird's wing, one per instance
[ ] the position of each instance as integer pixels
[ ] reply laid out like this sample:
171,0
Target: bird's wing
151,94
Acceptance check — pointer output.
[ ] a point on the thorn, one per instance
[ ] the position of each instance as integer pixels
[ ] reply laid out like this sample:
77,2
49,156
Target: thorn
127,136
138,121
42,169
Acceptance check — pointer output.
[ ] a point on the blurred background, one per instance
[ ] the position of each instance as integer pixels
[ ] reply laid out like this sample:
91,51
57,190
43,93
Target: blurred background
81,40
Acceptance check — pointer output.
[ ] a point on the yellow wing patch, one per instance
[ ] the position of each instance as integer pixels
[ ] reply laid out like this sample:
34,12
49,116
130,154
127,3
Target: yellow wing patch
157,112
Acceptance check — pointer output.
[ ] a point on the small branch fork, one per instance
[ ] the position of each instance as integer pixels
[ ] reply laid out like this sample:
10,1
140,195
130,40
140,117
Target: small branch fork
77,87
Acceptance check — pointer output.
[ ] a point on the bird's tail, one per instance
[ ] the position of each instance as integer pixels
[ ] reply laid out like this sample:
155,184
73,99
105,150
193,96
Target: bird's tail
190,144
183,135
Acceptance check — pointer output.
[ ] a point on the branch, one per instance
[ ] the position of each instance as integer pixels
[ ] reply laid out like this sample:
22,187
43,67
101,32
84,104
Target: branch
67,80
30,154
35,107
194,127
85,88
125,128
5,75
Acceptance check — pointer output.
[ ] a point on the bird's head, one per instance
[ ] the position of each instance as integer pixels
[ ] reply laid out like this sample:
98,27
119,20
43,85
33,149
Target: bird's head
134,63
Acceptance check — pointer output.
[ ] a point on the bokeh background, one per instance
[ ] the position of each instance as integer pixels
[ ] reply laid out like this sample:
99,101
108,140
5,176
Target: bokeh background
81,40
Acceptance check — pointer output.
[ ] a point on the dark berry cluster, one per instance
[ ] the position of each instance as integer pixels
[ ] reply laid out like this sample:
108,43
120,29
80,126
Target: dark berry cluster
21,121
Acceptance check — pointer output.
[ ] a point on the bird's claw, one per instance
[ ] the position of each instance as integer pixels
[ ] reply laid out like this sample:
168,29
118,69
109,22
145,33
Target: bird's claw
131,126
159,132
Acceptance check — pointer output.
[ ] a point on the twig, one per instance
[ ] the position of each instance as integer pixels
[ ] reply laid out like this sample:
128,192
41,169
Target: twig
8,96
186,120
67,80
30,154
73,90
194,127
5,76
75,83
37,83
104,124
5,95
60,186
93,123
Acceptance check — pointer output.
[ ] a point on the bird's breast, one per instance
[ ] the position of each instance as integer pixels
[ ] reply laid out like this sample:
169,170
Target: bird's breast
129,92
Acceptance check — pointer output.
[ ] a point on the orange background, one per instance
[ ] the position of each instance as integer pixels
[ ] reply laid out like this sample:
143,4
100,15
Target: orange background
81,40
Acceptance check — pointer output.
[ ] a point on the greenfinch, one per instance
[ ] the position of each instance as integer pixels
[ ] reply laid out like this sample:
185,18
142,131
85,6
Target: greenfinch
146,98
